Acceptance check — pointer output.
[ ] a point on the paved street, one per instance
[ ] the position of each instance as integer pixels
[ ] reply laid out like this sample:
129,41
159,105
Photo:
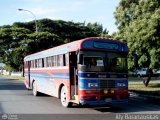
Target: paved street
16,99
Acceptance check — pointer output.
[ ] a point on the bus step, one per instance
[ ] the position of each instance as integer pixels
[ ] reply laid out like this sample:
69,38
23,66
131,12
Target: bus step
74,101
75,97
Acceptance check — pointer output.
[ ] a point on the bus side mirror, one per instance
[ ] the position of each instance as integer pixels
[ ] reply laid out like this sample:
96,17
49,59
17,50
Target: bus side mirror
80,59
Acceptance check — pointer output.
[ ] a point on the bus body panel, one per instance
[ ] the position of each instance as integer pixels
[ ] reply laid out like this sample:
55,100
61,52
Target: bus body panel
107,90
49,80
94,88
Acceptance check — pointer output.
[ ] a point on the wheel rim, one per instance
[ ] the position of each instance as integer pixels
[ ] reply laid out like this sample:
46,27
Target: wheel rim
64,97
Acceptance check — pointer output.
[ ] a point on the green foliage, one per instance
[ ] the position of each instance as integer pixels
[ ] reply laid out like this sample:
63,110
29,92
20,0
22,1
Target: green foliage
20,39
9,68
139,24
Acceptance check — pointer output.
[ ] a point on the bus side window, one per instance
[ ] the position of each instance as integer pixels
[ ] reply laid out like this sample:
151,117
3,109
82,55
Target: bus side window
53,61
67,59
58,61
39,63
35,63
32,63
48,61
61,60
45,64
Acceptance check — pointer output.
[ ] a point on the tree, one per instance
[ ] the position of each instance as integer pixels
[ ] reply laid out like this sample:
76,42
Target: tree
43,40
10,38
139,24
20,39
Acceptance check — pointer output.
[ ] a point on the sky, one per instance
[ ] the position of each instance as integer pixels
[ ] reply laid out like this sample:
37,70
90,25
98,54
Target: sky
100,11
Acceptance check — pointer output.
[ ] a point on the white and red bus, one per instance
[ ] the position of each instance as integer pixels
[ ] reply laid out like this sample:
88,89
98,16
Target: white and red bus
90,71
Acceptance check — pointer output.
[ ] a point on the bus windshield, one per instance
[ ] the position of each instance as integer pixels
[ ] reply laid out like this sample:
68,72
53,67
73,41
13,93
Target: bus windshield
104,61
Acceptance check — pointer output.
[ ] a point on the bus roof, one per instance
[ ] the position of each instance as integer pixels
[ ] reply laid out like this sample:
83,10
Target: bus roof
91,43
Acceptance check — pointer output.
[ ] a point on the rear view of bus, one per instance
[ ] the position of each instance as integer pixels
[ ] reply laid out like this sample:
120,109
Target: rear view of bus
102,72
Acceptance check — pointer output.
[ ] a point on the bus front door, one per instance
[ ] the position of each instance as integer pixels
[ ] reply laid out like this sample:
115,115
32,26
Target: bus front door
73,76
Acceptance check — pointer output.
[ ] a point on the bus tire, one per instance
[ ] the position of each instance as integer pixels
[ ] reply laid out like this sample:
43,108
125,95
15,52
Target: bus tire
64,97
34,89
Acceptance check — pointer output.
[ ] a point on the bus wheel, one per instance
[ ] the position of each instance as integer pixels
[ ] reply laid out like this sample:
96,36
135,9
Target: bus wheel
64,97
34,89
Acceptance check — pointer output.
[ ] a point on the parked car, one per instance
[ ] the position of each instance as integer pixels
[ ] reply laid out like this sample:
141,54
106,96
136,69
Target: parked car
157,73
142,72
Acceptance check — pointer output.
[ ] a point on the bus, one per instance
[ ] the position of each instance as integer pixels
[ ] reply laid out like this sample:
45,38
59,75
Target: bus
90,71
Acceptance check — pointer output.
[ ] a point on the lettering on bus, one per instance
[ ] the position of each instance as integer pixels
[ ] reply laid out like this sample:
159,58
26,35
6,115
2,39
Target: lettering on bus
102,76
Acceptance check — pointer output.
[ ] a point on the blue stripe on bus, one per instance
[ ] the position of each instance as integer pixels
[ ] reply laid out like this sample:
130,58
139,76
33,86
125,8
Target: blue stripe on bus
61,75
57,75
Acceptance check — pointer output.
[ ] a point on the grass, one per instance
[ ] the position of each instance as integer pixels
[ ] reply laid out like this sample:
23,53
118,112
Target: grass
152,89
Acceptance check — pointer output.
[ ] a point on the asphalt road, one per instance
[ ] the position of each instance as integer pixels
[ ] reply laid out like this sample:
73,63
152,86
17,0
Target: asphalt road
17,103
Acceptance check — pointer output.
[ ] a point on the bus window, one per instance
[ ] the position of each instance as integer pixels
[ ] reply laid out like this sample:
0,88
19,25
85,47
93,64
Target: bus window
67,59
39,63
48,61
36,64
60,60
45,63
113,62
118,64
32,64
93,61
53,61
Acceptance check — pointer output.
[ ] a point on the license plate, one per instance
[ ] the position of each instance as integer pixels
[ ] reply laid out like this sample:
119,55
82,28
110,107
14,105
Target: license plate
108,99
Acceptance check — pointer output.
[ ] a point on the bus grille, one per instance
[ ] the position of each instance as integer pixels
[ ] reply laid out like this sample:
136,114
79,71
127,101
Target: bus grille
107,84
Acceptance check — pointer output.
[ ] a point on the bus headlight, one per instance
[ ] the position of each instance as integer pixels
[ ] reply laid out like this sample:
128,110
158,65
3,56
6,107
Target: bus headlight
93,85
105,91
121,84
112,91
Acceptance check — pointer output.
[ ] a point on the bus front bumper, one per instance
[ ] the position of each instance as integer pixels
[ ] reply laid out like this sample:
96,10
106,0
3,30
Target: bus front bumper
103,102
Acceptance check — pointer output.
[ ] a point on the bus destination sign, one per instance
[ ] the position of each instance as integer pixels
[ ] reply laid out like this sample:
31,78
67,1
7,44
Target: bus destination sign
106,45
